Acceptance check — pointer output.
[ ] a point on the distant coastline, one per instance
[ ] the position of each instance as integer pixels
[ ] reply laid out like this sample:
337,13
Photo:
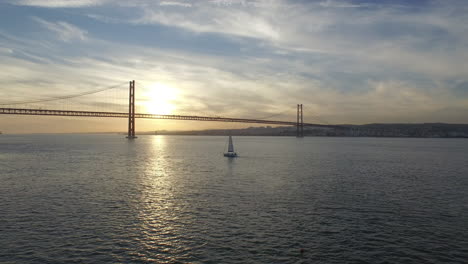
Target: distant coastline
424,130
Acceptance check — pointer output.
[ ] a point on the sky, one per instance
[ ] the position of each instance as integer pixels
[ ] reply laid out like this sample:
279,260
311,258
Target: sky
347,62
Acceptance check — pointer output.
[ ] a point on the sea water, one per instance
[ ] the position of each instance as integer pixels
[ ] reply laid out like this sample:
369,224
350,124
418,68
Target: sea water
176,199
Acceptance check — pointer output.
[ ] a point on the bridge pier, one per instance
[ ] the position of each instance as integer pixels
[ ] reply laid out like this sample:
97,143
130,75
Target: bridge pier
300,122
131,111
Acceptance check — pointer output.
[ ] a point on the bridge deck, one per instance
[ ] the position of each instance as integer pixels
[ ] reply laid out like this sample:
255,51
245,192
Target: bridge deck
48,112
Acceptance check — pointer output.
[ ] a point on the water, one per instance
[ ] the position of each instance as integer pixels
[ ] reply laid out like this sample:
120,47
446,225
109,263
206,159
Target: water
176,199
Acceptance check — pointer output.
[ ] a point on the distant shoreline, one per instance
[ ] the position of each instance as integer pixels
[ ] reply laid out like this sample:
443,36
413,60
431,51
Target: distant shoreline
424,130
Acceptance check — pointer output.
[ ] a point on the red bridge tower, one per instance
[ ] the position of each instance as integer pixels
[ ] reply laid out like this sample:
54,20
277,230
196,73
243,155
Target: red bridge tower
131,111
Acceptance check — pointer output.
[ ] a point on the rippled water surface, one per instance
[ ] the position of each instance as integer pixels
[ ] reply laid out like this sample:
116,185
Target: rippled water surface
176,199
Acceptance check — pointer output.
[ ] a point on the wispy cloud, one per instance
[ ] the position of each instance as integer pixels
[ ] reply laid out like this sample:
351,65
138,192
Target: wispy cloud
212,21
59,3
390,35
64,31
341,4
174,3
6,50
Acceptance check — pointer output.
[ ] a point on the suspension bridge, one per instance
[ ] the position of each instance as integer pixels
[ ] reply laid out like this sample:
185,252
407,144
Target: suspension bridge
21,108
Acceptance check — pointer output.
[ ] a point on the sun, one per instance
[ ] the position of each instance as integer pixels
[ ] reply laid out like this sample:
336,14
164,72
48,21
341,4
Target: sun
159,99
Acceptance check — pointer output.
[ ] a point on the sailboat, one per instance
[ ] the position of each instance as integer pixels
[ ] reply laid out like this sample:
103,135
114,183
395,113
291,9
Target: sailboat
230,153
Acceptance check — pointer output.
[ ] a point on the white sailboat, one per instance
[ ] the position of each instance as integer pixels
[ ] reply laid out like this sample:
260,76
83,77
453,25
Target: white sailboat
230,153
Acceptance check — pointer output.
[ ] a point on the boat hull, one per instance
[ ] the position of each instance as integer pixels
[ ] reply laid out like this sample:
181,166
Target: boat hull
230,154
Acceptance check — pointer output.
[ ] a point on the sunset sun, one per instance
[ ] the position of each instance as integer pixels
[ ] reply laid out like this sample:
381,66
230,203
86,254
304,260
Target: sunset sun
159,99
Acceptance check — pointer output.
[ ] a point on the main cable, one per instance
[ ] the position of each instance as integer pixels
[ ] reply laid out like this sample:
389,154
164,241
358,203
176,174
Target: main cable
64,97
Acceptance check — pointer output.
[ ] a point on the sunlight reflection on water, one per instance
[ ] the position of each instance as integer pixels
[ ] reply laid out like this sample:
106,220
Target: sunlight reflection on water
156,215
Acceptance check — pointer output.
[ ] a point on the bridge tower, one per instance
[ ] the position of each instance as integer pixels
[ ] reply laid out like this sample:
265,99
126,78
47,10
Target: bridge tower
131,111
300,122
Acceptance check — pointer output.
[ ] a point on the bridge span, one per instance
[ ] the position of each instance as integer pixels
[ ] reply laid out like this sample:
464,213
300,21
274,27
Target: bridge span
132,115
47,112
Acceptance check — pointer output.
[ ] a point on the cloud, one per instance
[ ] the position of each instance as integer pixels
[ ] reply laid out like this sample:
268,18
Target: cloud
6,50
244,87
65,31
386,34
340,4
59,3
209,18
174,3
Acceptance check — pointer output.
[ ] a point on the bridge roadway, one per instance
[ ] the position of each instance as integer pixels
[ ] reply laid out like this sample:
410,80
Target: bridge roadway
46,112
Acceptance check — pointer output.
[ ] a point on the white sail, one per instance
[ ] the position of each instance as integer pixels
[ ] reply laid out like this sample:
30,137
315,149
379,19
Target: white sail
231,146
230,153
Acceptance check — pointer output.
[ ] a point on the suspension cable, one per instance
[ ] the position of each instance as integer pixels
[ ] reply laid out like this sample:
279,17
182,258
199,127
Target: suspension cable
65,96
